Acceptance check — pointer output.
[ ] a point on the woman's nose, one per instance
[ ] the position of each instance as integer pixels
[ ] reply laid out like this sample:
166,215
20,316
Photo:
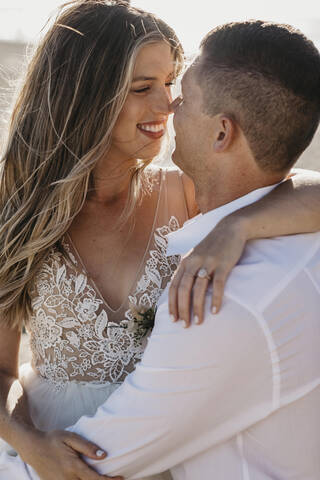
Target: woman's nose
162,102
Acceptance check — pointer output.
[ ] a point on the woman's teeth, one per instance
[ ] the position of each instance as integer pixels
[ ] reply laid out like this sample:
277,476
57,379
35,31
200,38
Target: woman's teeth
152,128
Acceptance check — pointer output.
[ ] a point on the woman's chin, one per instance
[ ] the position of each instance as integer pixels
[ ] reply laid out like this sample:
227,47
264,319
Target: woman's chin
150,152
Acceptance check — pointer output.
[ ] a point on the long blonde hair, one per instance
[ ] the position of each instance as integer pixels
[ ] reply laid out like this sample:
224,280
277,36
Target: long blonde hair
75,87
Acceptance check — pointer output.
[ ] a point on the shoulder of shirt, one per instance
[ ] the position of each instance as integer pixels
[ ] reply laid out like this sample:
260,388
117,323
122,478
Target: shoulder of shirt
268,265
263,273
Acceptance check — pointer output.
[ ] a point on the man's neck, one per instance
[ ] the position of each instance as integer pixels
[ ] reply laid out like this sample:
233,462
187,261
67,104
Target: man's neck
213,192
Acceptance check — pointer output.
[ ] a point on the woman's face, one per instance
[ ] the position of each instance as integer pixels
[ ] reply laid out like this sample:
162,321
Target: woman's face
143,119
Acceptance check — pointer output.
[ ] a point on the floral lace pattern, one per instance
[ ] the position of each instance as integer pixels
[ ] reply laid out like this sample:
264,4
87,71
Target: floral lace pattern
71,337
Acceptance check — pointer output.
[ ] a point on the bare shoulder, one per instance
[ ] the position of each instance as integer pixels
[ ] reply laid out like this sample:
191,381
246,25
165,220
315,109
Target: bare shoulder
174,175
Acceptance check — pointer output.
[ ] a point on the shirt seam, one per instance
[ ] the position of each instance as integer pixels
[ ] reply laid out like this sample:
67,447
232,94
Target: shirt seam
244,462
308,273
272,348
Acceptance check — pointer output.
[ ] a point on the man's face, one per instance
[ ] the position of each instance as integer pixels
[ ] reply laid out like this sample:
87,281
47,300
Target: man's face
191,124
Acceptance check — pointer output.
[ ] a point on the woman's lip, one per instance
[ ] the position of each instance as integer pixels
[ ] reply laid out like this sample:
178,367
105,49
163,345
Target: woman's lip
154,135
154,122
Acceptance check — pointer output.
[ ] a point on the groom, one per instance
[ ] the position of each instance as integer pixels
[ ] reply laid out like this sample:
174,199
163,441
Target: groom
239,396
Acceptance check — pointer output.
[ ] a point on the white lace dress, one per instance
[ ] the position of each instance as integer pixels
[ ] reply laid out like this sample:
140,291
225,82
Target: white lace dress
82,350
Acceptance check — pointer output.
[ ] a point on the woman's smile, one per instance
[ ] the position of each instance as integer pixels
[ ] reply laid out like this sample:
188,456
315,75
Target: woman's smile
153,130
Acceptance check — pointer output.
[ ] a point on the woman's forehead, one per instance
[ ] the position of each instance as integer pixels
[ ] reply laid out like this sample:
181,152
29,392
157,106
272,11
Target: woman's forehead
153,60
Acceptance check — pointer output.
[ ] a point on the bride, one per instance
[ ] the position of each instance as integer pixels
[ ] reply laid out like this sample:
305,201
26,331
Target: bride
84,219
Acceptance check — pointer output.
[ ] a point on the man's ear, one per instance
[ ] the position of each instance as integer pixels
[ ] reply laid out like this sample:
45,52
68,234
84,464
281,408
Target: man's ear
225,133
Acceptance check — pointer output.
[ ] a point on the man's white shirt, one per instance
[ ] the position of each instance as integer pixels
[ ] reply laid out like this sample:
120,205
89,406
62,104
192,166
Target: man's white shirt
237,397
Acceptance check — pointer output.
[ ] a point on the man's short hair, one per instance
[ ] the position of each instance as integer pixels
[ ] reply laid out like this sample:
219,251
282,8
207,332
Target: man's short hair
267,77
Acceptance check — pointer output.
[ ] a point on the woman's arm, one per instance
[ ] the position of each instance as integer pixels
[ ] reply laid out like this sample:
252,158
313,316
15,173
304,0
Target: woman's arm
47,452
14,413
293,207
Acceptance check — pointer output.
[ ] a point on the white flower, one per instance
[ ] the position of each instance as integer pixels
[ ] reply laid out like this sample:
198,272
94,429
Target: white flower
86,364
87,309
48,332
73,339
66,287
44,288
85,331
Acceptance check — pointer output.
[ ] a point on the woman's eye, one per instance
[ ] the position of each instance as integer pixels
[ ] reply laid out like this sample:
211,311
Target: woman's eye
145,89
141,90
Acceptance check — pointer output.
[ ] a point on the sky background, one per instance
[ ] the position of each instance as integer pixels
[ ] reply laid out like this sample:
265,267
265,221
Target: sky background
23,19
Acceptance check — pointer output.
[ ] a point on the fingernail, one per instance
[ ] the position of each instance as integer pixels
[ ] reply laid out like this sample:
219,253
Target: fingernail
172,318
184,324
99,453
196,320
214,310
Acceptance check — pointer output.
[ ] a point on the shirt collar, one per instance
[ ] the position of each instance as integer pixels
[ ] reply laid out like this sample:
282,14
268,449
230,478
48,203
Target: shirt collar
196,229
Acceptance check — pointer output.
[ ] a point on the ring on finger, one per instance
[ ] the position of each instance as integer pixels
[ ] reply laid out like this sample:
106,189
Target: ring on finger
202,273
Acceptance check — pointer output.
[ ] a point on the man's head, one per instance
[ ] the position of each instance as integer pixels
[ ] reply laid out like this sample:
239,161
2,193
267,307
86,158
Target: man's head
257,80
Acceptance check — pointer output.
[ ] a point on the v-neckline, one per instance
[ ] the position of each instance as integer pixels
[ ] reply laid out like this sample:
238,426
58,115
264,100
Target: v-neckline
71,244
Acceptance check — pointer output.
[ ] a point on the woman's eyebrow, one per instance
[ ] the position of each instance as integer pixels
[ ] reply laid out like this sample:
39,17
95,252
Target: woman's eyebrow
142,78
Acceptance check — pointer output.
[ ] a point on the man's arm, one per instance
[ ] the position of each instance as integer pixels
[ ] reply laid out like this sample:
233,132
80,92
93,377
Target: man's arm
193,389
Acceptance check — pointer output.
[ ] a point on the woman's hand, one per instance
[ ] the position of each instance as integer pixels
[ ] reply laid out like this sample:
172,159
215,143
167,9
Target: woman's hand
218,253
292,207
56,455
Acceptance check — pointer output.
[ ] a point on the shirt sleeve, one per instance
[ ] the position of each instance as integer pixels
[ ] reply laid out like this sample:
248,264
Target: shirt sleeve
193,389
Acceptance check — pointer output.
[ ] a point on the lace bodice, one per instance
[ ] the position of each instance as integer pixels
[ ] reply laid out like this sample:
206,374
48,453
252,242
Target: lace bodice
73,334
